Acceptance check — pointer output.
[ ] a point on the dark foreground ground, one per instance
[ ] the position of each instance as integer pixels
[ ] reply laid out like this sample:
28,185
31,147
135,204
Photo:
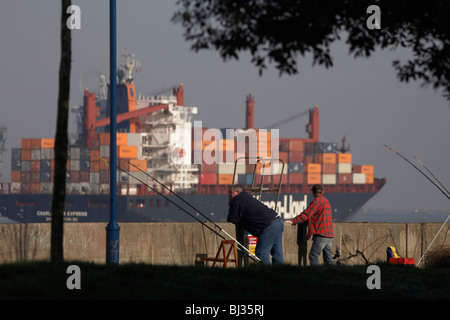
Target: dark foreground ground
46,280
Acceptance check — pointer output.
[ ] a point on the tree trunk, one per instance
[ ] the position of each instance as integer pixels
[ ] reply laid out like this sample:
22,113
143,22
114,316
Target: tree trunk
61,139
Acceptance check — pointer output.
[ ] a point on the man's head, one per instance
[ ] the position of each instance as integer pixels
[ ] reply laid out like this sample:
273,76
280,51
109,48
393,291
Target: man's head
317,190
234,191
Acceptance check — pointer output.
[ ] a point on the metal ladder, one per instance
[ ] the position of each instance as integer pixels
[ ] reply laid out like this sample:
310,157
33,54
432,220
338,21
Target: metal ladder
254,188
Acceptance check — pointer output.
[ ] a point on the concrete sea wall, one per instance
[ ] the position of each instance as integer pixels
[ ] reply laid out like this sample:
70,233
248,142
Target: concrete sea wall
183,243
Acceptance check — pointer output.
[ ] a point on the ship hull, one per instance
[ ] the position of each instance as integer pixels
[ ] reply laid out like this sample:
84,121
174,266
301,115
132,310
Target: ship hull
25,208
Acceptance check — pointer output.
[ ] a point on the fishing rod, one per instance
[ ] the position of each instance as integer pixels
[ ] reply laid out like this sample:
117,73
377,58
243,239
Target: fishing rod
239,244
445,194
165,198
432,174
198,211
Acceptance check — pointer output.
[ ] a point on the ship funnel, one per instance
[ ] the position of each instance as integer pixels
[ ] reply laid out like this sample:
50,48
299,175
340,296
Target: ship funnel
250,102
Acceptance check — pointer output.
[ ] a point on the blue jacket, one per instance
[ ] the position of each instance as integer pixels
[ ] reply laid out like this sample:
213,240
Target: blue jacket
252,213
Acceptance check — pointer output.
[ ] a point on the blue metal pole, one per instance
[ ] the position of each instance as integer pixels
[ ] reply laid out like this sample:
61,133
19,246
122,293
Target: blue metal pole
112,229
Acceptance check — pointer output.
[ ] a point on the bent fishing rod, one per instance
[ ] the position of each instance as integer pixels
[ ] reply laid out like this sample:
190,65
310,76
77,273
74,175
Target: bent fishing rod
445,194
214,231
165,198
198,211
432,175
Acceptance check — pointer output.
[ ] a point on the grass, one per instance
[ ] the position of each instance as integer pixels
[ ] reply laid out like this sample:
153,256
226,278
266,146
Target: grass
47,280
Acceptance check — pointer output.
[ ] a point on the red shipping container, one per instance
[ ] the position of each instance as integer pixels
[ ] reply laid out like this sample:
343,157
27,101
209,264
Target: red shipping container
74,176
308,159
25,154
296,145
296,156
35,188
284,156
328,168
35,177
296,178
36,165
284,145
209,168
26,143
208,178
267,179
344,178
276,179
35,143
84,176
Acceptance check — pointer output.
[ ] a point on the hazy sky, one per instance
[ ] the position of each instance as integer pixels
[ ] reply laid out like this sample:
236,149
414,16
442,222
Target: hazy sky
358,98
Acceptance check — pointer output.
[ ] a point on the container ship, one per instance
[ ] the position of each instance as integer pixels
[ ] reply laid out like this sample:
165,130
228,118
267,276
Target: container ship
158,143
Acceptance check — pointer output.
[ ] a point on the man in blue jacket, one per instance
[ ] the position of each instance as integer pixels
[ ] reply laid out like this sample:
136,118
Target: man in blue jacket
260,221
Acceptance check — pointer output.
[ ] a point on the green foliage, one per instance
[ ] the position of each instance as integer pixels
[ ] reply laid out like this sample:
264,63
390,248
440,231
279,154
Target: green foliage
280,31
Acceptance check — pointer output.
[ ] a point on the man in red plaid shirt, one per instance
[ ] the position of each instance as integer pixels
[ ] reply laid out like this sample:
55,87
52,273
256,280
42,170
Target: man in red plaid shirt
320,226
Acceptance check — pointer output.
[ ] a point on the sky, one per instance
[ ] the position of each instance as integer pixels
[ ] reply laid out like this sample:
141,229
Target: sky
358,98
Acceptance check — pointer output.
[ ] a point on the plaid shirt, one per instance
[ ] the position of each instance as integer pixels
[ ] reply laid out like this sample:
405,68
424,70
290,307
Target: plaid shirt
319,218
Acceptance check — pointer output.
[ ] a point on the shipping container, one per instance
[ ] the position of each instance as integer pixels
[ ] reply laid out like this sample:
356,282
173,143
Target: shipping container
84,154
328,168
208,178
344,158
84,165
47,153
35,176
35,143
296,156
46,176
74,153
226,168
313,178
35,188
359,178
74,165
267,179
26,143
138,165
25,154
26,166
276,179
325,158
329,179
344,178
35,154
295,167
104,151
295,178
284,156
225,179
46,165
15,175
324,147
309,147
35,165
128,152
367,169
48,143
344,168
313,168
209,168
